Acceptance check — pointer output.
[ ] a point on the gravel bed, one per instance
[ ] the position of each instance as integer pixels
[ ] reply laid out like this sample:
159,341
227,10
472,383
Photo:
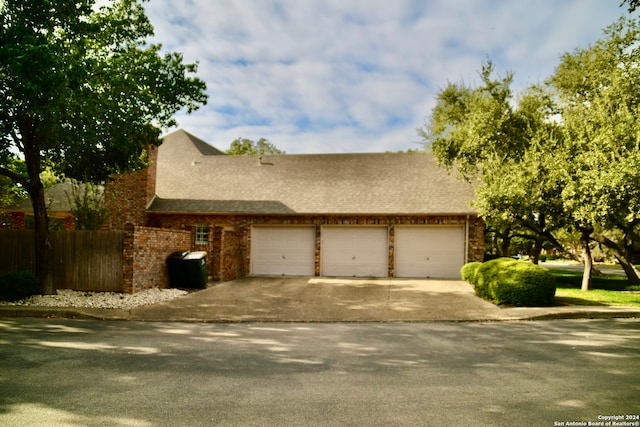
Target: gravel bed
114,300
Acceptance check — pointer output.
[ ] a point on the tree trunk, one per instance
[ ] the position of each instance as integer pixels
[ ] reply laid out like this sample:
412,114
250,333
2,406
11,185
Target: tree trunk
43,251
505,245
588,261
44,270
630,270
536,249
632,273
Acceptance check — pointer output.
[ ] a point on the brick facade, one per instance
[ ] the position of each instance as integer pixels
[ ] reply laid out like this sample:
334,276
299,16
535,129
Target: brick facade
18,220
144,256
128,194
229,245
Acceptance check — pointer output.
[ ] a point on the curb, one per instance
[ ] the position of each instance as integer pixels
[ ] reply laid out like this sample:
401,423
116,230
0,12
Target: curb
65,313
127,315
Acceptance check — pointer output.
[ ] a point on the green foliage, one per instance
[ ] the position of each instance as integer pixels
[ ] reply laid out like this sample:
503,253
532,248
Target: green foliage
17,286
488,272
561,155
524,284
244,146
506,281
598,89
468,271
632,5
83,90
88,206
88,83
10,191
488,134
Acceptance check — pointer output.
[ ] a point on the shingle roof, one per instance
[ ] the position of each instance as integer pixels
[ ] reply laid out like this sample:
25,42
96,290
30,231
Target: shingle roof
365,183
182,146
56,197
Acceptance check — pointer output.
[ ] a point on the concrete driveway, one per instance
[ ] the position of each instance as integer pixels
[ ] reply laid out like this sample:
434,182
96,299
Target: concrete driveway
319,299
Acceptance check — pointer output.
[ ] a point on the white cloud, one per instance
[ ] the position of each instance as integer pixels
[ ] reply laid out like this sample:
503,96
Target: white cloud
356,75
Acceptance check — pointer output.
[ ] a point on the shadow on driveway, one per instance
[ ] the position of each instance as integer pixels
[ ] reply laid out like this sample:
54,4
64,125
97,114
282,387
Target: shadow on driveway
318,299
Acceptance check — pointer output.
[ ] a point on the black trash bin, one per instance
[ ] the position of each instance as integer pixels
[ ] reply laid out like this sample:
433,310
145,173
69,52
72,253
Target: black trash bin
176,269
195,265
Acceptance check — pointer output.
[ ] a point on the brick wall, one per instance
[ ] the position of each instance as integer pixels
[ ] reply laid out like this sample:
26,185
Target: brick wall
18,220
230,235
231,265
476,240
145,251
128,195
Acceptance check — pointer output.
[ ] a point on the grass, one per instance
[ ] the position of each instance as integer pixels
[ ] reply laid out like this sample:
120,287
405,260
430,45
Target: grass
607,290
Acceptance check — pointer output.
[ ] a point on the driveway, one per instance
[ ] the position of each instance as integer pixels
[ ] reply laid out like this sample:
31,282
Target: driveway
320,299
324,300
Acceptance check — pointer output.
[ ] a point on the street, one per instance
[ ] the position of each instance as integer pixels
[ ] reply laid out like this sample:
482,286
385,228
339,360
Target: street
113,373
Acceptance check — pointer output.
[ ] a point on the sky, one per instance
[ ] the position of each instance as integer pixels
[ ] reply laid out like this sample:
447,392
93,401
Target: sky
336,76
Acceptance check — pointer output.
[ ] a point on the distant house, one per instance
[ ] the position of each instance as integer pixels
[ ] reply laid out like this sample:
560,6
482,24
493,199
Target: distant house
58,208
354,215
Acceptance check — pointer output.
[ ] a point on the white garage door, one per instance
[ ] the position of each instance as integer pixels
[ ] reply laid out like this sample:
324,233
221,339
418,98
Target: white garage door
355,251
436,252
288,251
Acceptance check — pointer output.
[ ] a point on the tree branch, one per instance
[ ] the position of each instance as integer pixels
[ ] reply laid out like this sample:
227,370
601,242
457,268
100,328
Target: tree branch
14,176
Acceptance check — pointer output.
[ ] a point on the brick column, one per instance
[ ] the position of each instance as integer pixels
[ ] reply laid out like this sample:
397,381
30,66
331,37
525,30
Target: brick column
17,220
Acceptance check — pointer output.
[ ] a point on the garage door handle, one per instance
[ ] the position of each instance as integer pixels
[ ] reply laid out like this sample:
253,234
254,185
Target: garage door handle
354,257
427,258
284,257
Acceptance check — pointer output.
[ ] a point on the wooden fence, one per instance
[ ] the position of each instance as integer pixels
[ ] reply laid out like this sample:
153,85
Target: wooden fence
82,260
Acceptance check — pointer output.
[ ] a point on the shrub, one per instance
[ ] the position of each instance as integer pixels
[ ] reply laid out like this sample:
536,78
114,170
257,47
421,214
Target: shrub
506,281
17,286
488,272
468,271
524,284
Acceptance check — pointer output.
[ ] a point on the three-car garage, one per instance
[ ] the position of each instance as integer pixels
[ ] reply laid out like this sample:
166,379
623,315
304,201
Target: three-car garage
432,251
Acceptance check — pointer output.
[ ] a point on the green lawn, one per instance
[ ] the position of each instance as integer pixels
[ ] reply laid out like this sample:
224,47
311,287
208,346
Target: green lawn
608,290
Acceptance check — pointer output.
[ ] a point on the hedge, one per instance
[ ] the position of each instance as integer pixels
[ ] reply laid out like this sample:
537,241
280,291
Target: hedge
468,271
17,286
506,281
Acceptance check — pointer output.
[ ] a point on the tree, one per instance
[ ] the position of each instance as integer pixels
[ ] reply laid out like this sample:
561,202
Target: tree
10,192
244,146
503,147
633,5
87,205
82,92
598,91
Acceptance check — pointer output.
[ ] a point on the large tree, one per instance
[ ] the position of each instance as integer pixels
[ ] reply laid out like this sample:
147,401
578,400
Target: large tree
83,92
598,91
502,144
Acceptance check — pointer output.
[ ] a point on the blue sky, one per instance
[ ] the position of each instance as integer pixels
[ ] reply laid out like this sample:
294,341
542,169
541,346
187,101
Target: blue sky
331,76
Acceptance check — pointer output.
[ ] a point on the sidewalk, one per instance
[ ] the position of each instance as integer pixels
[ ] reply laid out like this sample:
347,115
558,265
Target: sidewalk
329,300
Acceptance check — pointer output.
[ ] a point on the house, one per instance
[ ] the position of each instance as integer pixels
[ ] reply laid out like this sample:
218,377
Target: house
354,215
57,199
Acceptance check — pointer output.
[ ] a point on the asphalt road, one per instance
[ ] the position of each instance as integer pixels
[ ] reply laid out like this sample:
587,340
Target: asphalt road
112,373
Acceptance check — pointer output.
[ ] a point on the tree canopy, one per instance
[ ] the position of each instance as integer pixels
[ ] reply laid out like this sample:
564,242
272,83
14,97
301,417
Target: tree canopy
245,146
81,91
562,155
501,144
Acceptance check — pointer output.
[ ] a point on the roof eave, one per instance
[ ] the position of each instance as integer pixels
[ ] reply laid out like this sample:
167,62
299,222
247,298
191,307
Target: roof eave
462,213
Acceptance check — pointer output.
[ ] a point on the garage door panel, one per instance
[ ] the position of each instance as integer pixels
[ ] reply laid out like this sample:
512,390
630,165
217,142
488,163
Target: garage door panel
286,251
436,252
355,251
